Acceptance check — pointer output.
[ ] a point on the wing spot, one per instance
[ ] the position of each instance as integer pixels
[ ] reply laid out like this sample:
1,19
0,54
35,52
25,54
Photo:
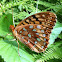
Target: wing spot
37,33
34,46
22,37
38,27
46,28
42,31
35,42
48,24
50,20
37,15
44,39
35,18
44,35
20,31
43,15
38,39
23,34
42,47
29,35
27,20
44,43
31,26
34,29
28,41
24,29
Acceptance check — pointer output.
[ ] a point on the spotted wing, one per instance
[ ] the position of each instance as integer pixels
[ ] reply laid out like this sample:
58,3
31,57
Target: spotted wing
43,18
34,31
35,36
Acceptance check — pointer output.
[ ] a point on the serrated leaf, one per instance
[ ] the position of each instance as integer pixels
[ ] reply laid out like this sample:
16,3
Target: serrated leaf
47,4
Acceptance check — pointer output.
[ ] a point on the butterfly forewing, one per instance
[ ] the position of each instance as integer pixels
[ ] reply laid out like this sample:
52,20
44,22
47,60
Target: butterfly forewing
34,31
43,18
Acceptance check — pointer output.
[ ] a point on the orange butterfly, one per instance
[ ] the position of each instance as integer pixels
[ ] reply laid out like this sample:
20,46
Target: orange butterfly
34,31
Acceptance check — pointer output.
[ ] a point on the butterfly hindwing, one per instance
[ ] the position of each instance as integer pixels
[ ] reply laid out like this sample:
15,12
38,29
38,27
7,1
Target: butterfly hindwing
34,36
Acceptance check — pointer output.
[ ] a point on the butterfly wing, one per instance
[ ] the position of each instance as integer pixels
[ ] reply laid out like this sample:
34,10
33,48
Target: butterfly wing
35,36
34,31
43,18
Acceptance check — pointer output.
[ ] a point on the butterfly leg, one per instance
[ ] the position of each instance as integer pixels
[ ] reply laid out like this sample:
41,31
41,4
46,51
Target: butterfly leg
18,47
7,35
12,40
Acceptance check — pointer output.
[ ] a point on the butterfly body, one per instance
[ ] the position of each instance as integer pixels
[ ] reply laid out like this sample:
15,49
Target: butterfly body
34,31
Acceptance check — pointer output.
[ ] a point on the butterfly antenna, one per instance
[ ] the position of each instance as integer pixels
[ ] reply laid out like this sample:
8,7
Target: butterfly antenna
37,6
13,18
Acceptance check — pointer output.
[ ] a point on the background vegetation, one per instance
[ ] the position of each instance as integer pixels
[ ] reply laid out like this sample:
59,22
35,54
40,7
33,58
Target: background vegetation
21,10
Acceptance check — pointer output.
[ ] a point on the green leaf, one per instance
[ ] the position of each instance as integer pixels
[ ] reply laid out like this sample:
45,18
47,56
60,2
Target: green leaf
54,60
47,4
9,49
59,15
5,22
1,59
55,32
60,35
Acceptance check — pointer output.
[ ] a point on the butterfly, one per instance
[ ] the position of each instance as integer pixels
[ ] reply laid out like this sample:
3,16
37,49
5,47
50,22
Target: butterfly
34,31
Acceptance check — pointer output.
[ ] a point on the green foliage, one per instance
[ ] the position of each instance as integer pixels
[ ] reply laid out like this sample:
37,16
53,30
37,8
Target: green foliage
1,60
59,15
53,60
60,35
54,51
21,10
9,52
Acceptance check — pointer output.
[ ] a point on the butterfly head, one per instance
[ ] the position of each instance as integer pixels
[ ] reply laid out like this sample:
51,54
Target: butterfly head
12,27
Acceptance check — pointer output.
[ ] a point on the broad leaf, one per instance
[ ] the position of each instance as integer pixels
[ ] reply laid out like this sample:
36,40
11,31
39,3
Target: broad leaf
9,49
